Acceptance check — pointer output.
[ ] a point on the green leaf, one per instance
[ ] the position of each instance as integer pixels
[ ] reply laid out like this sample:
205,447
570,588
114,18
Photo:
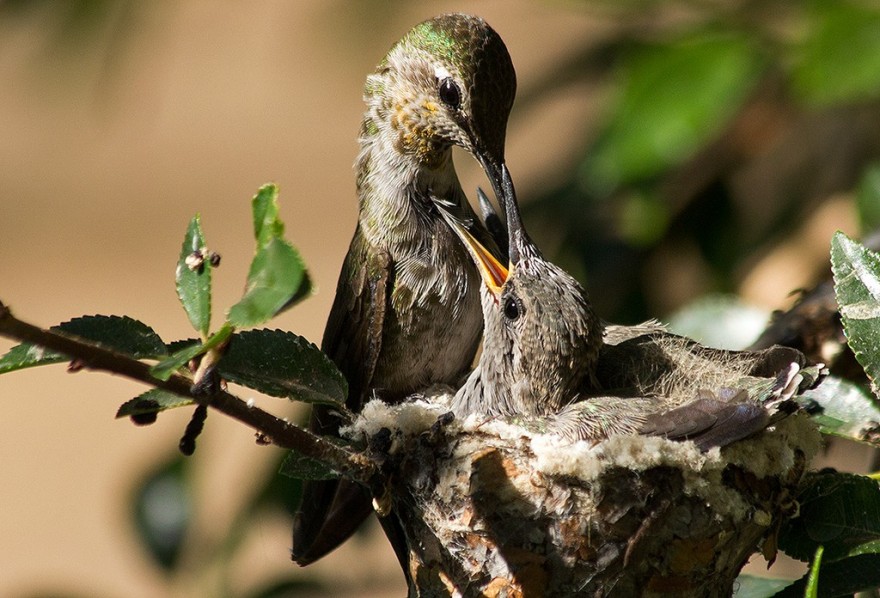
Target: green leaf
282,364
720,321
857,287
868,198
673,98
193,277
872,547
813,576
275,276
752,586
166,368
838,510
26,355
118,333
303,291
264,206
840,56
847,410
152,401
840,578
300,467
175,346
162,512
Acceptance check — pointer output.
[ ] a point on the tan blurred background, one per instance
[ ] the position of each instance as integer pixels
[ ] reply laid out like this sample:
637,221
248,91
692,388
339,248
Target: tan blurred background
114,133
109,143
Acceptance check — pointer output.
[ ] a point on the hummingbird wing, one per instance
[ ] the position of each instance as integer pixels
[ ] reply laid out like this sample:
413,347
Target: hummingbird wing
711,396
729,414
709,422
331,510
353,335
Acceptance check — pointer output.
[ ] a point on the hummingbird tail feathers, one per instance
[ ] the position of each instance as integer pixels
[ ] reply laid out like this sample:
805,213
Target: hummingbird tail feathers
331,511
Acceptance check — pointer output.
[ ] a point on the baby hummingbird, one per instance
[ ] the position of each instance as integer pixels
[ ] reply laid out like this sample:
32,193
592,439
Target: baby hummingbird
549,363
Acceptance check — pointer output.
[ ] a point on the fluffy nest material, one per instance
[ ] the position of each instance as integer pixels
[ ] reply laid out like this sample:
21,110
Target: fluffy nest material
492,509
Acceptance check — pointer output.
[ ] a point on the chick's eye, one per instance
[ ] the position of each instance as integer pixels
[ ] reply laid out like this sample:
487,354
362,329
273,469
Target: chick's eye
449,93
511,308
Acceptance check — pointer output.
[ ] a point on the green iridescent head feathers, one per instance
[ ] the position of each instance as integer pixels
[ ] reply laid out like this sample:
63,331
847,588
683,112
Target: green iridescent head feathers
472,60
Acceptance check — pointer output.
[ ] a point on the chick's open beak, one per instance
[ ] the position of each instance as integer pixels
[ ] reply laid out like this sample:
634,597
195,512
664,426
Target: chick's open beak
493,272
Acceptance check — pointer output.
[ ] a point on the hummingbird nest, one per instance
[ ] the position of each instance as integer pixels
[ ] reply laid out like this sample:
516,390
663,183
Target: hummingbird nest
492,509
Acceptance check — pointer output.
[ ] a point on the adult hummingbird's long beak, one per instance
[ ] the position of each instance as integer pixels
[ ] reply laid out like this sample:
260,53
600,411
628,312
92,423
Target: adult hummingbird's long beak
495,274
520,245
494,170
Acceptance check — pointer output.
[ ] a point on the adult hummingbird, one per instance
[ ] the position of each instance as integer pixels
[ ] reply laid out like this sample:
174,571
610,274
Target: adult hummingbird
549,363
407,308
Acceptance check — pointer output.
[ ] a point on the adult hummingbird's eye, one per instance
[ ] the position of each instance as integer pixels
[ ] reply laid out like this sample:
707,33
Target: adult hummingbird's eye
449,93
512,308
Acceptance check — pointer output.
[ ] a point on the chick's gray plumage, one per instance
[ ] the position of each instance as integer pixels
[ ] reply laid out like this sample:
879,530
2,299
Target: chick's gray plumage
537,362
541,337
546,365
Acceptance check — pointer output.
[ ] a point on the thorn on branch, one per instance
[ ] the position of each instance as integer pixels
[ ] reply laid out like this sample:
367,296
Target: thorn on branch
76,365
195,426
207,381
144,419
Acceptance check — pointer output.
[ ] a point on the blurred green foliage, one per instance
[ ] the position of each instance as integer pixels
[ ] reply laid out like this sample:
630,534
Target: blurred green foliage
671,98
725,127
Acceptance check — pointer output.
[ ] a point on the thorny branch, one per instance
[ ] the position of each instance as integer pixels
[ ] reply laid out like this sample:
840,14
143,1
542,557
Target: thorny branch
278,431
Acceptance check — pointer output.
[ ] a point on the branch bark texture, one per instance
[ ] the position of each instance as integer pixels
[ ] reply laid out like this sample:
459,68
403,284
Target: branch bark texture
278,431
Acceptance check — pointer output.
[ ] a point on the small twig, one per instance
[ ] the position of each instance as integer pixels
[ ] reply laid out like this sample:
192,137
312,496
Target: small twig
280,432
